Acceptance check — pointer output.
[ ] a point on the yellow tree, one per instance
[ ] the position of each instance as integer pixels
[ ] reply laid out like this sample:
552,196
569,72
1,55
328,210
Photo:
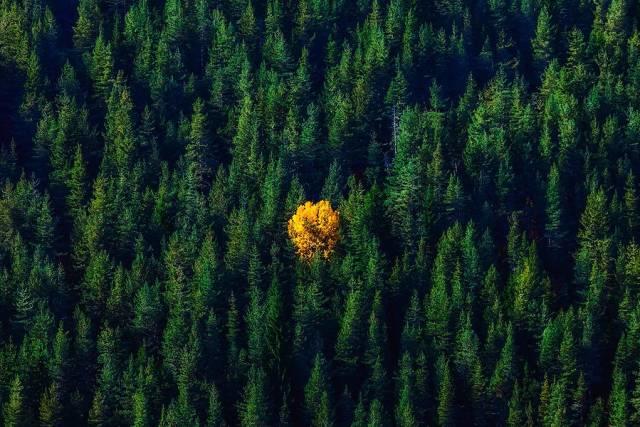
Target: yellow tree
314,229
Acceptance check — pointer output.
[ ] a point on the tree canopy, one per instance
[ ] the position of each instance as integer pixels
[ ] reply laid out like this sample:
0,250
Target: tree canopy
319,212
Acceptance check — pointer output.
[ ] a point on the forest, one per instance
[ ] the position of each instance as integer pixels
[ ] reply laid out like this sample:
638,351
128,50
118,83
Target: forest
359,213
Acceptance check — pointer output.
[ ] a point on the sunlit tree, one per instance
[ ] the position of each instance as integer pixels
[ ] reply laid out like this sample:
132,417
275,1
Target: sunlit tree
314,229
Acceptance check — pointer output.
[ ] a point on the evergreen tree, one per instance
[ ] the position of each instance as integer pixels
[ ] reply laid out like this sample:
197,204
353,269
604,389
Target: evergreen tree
618,414
446,396
543,43
77,185
120,132
255,411
198,146
14,409
316,395
84,29
555,226
214,409
102,66
405,411
51,410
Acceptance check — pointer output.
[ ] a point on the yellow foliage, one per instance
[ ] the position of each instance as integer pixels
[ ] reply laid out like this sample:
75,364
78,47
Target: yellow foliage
314,229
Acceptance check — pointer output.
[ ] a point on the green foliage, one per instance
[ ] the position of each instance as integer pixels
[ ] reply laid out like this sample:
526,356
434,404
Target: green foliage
14,410
316,395
482,157
543,43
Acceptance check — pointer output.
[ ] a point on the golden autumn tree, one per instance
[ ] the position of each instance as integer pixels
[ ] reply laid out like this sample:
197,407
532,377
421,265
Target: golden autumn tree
314,229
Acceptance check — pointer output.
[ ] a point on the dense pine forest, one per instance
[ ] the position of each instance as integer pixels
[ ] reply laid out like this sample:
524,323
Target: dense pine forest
472,168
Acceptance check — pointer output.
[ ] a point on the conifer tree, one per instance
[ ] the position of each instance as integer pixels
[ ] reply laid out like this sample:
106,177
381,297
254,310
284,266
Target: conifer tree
405,412
316,395
214,409
84,29
120,131
255,411
102,66
542,44
618,414
555,226
198,146
77,184
516,411
51,411
14,409
446,412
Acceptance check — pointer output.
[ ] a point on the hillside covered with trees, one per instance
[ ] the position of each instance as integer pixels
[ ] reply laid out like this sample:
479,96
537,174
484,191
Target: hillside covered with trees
474,258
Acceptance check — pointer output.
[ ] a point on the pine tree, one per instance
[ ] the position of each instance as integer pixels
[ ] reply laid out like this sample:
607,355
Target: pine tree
233,345
446,414
556,413
634,401
238,231
504,372
247,25
102,66
568,357
545,397
197,150
245,163
77,185
516,410
203,29
141,416
614,33
618,413
174,21
405,411
631,206
14,409
542,44
555,226
84,29
528,286
301,84
120,130
359,415
594,221
255,408
316,395
51,411
214,410
350,338
579,401
275,332
147,312
207,287
596,414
